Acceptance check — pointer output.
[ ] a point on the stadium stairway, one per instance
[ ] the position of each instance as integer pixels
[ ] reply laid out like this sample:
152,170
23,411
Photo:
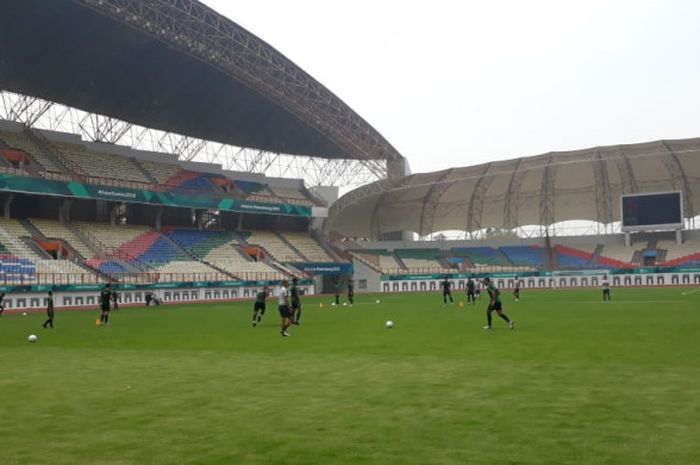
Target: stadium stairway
329,249
399,261
503,257
186,251
41,253
43,144
291,246
143,170
191,180
571,258
596,255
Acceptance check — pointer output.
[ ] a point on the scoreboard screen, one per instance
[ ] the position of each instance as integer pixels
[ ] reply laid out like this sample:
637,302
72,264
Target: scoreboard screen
650,211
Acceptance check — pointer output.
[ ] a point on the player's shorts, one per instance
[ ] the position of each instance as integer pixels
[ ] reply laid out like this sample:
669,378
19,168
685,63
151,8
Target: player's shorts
296,305
284,311
470,294
104,308
259,306
497,306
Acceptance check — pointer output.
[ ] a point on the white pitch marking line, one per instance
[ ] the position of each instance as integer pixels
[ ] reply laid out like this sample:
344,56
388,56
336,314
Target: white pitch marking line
690,292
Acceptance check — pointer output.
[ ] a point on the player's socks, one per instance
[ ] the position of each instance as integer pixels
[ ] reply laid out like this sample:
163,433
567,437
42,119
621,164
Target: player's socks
106,319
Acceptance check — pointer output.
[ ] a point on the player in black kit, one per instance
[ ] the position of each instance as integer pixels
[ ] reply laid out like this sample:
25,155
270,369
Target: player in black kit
471,297
259,306
351,292
295,300
49,311
446,291
105,300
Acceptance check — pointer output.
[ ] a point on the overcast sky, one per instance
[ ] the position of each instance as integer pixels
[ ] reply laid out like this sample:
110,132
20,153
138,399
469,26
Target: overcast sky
456,83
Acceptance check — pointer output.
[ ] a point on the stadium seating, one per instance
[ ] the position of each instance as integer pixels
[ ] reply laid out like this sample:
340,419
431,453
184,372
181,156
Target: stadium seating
255,191
574,257
616,256
290,195
15,270
11,232
524,255
20,141
54,230
220,249
308,246
22,263
99,164
480,256
161,172
274,245
685,254
381,259
185,179
422,259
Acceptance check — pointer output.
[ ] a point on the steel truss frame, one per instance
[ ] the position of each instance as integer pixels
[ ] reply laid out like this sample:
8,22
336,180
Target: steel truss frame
680,180
204,34
41,114
603,196
476,203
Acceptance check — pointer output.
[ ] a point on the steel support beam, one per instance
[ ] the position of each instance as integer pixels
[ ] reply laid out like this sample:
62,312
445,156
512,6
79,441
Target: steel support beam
624,168
547,194
510,213
603,197
314,171
680,180
476,202
432,200
204,34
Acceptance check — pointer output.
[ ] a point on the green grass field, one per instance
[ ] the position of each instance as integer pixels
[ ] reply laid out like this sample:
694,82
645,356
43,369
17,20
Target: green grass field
578,381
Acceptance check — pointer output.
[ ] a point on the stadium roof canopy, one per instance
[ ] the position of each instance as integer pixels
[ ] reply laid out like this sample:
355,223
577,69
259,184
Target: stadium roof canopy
177,66
539,190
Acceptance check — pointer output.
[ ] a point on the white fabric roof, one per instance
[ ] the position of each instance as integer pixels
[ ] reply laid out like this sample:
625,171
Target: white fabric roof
539,190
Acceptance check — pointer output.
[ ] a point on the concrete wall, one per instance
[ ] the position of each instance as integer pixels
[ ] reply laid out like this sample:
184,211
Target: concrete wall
89,300
550,282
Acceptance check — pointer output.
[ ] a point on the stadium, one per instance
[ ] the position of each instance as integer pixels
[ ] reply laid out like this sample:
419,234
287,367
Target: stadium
163,150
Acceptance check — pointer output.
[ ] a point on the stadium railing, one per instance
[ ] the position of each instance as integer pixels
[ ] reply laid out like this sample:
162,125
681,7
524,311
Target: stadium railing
130,278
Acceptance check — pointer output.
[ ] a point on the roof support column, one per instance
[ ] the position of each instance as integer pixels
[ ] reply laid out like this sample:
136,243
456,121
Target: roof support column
680,180
476,203
602,191
510,214
432,200
547,196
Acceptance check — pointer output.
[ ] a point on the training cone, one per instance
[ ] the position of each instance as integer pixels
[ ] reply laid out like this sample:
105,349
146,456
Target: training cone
461,304
97,322
320,305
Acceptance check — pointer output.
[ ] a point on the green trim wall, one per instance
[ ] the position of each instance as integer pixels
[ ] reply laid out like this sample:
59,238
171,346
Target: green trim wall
527,274
74,189
181,285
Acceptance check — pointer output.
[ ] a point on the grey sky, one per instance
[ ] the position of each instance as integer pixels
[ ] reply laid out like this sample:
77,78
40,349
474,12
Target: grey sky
453,83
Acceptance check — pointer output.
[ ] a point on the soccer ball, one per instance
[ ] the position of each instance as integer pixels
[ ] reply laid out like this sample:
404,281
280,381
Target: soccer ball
345,304
32,338
24,313
333,304
378,301
389,324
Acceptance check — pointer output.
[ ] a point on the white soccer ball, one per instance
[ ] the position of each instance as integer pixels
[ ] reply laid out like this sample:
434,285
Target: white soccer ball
389,324
24,313
32,338
345,304
378,301
333,304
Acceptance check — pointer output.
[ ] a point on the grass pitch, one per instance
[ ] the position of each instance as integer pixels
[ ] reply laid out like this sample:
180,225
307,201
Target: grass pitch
578,381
